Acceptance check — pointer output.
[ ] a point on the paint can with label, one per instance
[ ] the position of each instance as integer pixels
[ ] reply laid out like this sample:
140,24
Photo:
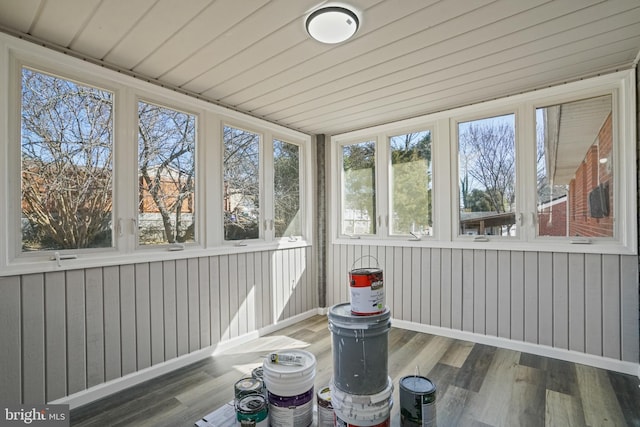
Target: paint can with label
417,402
247,386
325,409
289,376
363,410
360,350
258,374
252,411
366,287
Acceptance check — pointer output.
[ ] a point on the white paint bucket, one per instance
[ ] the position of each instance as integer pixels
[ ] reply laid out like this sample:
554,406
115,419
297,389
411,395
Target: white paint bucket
290,388
363,410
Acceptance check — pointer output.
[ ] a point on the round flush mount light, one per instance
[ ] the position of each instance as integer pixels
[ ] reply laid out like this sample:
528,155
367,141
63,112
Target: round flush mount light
332,24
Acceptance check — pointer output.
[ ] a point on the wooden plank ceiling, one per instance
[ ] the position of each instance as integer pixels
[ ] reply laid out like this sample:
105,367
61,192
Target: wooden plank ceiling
410,57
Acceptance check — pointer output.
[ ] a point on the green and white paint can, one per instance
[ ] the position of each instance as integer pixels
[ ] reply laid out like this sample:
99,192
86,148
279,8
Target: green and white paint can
417,402
252,411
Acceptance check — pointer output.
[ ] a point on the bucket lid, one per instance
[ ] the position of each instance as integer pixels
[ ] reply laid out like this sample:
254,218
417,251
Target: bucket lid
290,380
417,384
365,271
251,404
342,313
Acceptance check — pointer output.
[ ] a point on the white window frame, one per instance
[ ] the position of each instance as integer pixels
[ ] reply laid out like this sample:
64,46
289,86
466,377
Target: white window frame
445,170
14,53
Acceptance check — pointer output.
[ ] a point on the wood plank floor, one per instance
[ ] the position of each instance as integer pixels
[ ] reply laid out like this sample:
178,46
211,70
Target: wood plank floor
477,385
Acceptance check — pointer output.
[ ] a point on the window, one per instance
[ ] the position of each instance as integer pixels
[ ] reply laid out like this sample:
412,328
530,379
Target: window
359,189
66,164
575,196
411,184
487,176
241,192
286,188
166,175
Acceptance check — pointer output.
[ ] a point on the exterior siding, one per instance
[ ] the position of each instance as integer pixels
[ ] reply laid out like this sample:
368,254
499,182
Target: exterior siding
586,303
65,332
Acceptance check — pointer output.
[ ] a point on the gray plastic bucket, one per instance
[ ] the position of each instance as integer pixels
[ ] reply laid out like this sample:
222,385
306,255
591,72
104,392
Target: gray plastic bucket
360,350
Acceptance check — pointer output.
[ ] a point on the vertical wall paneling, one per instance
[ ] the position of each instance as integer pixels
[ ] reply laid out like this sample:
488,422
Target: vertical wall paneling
143,316
479,292
112,327
417,287
170,313
445,288
95,326
425,303
268,315
531,302
398,283
215,304
407,291
259,294
182,306
593,304
10,337
491,289
278,294
156,308
128,319
76,361
560,301
242,313
55,335
629,308
33,356
611,300
587,303
251,292
576,302
517,295
436,296
193,303
545,297
225,301
203,302
468,292
504,294
457,298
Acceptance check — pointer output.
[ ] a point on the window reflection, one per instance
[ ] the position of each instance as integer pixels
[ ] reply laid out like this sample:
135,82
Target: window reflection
574,168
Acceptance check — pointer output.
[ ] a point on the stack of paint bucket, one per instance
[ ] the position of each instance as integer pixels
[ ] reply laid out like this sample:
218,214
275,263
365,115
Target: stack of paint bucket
361,390
289,376
250,403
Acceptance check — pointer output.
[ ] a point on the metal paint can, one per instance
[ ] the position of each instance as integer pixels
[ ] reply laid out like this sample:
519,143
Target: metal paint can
247,386
360,350
258,374
367,291
252,411
325,408
417,402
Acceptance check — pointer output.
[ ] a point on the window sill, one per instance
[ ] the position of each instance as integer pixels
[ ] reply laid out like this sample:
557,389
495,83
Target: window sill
30,265
501,244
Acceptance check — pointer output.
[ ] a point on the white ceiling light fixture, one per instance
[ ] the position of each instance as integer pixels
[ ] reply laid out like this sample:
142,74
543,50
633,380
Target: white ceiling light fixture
332,24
